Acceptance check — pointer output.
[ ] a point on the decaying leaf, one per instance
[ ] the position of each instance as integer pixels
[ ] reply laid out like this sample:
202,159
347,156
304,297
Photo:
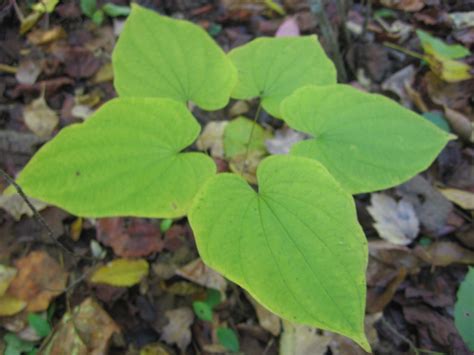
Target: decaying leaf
17,207
40,278
462,198
289,27
198,272
431,207
394,221
121,272
28,71
212,138
10,305
443,253
283,140
87,331
460,124
39,118
7,274
129,239
398,82
301,339
405,5
177,330
447,69
267,320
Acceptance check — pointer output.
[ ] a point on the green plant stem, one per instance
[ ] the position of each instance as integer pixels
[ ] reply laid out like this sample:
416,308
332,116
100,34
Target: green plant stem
317,8
255,120
404,50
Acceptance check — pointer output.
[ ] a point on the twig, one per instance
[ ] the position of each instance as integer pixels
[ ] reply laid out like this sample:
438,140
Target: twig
36,214
404,50
317,8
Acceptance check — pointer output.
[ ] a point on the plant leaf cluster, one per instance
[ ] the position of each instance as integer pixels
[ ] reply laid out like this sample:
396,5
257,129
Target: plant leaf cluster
295,244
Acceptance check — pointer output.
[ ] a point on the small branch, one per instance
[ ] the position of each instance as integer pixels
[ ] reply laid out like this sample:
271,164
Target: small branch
317,8
404,50
36,214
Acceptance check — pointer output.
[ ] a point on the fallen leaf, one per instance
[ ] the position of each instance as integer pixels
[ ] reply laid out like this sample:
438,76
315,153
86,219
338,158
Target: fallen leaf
283,140
395,222
443,253
460,124
129,238
17,207
10,305
437,48
104,74
76,229
212,138
431,207
177,330
29,21
39,118
7,274
81,63
301,339
40,278
41,36
267,320
199,273
28,71
239,108
462,20
45,5
87,331
398,82
154,349
462,198
121,272
405,5
289,28
447,69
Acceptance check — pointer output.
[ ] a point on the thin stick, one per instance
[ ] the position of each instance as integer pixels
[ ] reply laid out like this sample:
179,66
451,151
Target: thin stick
404,50
36,214
317,8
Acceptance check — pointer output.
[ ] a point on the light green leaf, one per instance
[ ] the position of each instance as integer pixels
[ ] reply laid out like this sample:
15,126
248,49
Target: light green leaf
121,272
88,7
113,10
202,310
157,56
39,324
228,339
464,309
272,68
295,245
124,160
237,134
45,6
436,47
366,141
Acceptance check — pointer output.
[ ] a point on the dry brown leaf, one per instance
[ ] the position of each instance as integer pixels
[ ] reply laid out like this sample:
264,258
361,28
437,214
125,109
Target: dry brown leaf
445,253
177,330
431,207
40,278
212,138
460,124
283,140
398,82
301,339
39,118
462,198
394,221
198,272
131,238
41,36
405,5
17,207
28,71
267,320
7,274
87,331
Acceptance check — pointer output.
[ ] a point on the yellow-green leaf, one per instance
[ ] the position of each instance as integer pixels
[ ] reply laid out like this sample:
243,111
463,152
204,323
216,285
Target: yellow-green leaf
121,272
10,305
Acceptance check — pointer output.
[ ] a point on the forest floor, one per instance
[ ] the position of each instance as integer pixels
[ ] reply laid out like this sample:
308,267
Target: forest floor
58,71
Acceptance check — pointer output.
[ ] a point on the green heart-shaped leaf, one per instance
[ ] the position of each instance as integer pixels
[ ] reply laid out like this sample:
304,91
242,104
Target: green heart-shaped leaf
366,141
124,160
157,56
295,245
273,68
